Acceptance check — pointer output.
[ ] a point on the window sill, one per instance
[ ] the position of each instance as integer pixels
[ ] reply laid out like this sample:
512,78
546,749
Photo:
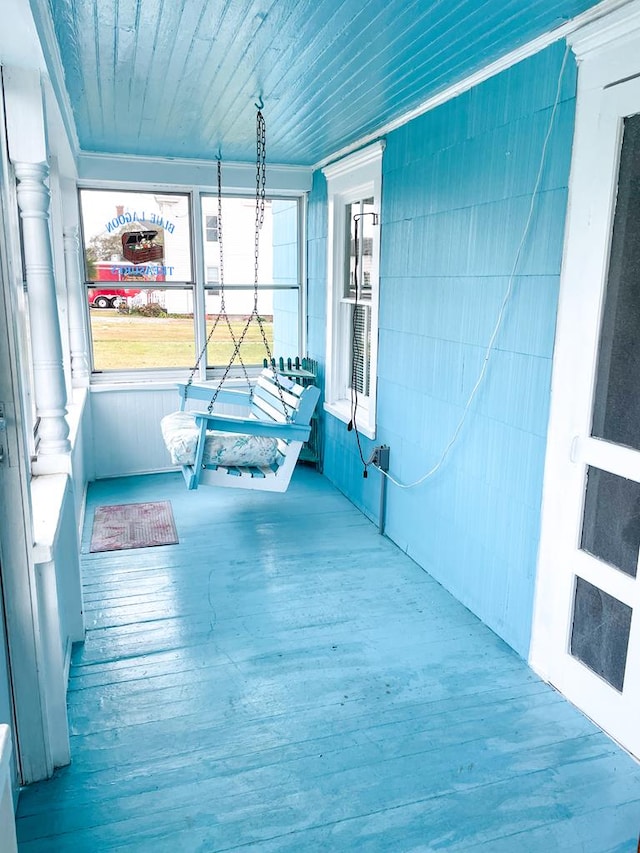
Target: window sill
136,384
154,381
341,409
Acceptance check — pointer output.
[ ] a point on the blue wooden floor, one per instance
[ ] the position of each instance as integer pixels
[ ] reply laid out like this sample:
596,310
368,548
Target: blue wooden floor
285,679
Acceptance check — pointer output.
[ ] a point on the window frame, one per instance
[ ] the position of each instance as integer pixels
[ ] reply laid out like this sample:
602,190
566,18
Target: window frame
186,193
351,180
213,371
198,283
129,374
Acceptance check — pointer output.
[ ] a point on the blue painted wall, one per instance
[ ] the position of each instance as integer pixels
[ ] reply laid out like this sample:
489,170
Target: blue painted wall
457,185
285,271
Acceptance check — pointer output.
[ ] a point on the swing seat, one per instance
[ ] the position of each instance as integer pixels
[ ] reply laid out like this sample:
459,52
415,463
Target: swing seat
257,450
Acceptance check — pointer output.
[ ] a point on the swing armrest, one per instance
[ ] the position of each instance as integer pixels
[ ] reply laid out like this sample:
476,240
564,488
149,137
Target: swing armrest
272,429
206,392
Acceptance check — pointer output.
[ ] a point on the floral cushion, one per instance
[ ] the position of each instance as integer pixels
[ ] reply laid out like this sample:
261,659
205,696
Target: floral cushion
180,434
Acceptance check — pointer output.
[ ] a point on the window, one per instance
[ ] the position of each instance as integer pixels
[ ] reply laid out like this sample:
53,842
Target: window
138,273
354,189
148,302
279,276
211,229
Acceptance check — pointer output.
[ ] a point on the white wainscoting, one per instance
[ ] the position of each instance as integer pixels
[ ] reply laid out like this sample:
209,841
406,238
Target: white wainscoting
126,429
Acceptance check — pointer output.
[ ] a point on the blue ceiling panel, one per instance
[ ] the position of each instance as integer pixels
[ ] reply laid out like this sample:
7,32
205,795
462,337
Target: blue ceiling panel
179,78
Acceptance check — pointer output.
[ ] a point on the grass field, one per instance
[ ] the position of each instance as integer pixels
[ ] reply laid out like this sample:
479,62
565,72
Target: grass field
123,342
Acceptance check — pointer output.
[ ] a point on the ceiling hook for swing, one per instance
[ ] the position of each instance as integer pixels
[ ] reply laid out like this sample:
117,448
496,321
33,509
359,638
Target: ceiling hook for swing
260,105
219,154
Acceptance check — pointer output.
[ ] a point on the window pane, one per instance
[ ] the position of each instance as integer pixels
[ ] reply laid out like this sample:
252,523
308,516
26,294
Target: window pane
611,524
600,633
351,210
279,312
147,328
616,415
366,234
237,240
135,236
286,256
286,323
359,248
233,259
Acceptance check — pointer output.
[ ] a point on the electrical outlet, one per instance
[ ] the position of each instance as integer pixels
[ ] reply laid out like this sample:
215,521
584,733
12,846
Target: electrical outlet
381,457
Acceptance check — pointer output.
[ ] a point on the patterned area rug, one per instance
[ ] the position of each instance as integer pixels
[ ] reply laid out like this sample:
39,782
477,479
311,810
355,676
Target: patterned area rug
133,526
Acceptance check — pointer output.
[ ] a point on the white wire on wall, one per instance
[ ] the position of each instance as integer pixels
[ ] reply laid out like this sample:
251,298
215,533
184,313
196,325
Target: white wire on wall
505,301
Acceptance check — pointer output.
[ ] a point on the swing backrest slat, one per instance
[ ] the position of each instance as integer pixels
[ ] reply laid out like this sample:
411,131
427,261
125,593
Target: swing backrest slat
266,407
268,395
289,391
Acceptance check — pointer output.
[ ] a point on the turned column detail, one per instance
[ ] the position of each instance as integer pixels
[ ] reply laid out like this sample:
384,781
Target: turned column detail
50,391
75,298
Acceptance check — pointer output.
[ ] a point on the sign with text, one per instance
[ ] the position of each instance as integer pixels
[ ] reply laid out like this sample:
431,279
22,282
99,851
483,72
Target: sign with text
136,236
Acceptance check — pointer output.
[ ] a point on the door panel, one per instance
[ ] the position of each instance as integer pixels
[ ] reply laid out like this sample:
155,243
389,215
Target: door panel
616,410
600,632
611,520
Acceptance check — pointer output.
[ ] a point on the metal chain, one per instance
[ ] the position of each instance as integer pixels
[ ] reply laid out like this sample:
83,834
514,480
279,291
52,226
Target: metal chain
236,350
223,307
223,310
261,182
220,245
261,153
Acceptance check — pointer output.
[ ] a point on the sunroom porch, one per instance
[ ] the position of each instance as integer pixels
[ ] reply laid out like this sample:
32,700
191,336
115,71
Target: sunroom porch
456,249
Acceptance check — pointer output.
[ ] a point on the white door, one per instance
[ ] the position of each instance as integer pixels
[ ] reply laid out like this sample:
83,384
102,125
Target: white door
586,638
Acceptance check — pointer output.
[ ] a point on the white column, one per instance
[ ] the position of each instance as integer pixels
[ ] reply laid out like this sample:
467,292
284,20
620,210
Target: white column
50,391
76,297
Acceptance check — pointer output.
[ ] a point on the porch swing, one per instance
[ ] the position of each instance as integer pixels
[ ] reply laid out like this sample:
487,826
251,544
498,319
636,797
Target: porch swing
257,449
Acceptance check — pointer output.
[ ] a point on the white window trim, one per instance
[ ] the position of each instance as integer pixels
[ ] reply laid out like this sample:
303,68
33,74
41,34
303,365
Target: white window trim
351,179
139,377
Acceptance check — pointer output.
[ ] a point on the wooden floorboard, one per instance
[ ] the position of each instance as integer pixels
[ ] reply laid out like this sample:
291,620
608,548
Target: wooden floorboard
285,679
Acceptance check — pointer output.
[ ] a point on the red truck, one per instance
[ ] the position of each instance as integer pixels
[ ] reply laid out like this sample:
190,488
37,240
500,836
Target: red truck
108,297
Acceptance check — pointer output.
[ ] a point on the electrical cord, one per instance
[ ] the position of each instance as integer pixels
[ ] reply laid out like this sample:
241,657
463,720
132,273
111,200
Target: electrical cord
355,358
505,300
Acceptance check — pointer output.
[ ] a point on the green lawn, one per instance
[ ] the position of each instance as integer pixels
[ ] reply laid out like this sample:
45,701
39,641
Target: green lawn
123,342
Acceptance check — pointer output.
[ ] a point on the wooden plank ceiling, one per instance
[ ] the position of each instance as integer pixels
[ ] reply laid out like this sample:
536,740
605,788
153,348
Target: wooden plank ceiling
180,78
